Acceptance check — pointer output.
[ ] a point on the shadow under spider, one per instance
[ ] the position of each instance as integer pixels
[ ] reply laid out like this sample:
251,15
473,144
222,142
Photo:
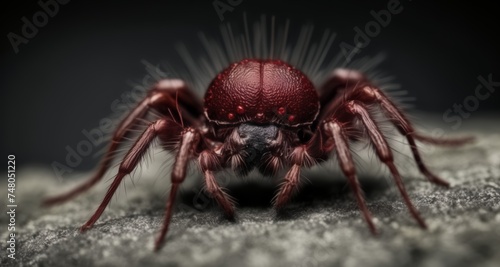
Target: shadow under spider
259,194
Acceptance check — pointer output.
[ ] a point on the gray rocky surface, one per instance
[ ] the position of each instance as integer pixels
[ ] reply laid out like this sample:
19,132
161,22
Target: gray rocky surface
321,227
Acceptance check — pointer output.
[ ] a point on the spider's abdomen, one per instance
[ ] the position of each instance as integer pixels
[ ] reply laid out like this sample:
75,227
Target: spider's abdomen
261,91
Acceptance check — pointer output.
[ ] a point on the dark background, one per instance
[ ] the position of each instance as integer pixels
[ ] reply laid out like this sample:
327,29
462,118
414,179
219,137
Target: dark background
65,79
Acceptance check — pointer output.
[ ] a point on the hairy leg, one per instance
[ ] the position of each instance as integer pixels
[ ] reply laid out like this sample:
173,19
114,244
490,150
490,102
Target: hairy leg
357,87
128,164
189,140
371,94
347,165
209,163
308,154
383,152
164,97
299,158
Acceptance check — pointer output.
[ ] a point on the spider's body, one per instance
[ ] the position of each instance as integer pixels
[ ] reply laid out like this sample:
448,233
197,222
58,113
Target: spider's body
263,114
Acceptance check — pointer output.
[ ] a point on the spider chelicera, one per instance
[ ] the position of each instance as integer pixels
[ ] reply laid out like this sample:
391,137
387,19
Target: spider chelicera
262,114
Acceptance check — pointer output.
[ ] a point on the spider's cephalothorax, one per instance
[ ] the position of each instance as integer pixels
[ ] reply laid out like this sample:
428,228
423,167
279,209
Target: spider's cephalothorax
263,92
262,114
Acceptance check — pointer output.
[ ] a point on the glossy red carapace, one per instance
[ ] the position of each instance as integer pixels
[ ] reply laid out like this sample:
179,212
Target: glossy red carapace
261,91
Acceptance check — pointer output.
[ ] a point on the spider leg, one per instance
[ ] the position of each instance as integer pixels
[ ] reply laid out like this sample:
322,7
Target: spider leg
209,163
189,140
299,158
288,187
129,163
457,141
404,126
383,152
356,86
307,155
347,165
355,83
161,98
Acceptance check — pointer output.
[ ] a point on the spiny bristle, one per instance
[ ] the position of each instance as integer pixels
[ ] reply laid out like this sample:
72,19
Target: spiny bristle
311,51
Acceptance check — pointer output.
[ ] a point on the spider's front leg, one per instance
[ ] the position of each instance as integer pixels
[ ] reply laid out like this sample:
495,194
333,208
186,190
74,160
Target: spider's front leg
170,98
299,158
190,139
210,163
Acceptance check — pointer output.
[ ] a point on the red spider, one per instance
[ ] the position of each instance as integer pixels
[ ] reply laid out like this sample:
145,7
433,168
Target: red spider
263,114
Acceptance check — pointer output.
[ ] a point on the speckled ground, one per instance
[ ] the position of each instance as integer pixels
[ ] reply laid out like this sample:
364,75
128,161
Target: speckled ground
322,227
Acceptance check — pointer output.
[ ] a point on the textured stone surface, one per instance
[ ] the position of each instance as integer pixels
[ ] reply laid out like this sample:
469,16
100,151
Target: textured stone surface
322,227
